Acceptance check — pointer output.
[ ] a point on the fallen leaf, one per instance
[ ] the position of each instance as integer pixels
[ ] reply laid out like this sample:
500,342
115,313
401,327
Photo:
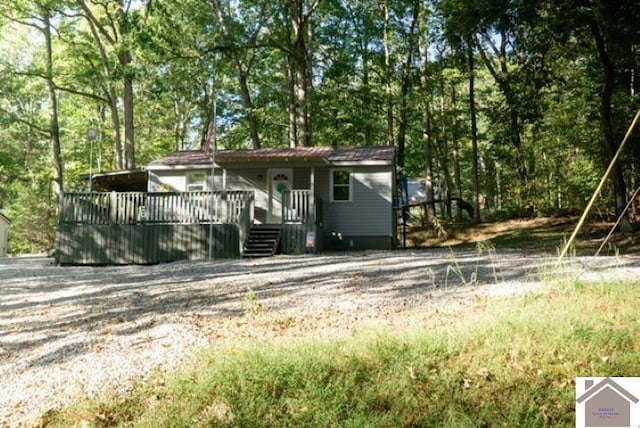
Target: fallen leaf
412,373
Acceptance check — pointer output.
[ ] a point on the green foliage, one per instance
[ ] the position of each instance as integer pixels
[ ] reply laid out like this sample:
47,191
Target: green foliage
538,80
33,219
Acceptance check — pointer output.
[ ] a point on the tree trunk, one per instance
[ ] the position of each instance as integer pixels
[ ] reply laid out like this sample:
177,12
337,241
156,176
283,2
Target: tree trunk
457,175
406,85
293,111
108,85
516,139
250,107
302,93
117,134
445,182
242,72
125,60
180,126
300,21
619,186
501,78
363,101
388,76
474,133
129,127
54,126
426,117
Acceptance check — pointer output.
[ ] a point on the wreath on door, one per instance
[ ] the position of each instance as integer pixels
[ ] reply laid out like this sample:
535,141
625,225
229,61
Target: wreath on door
282,186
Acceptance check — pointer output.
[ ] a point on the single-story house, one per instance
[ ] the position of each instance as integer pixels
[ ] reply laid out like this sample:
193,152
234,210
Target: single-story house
4,235
307,199
354,184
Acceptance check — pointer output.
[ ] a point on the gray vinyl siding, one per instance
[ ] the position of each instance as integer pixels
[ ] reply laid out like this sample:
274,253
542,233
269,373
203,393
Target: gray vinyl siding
173,181
369,213
254,179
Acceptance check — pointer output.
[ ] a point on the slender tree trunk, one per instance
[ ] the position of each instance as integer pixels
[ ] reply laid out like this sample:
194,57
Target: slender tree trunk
125,59
516,139
428,158
54,126
250,107
388,75
308,81
293,110
406,85
301,96
501,78
426,117
498,178
619,186
181,125
129,126
109,86
474,133
457,175
300,22
445,182
366,90
114,114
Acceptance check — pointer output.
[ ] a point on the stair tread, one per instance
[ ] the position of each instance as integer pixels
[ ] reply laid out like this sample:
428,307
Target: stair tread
263,241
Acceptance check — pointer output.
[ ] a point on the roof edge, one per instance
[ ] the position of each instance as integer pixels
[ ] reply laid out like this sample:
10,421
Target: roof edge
5,217
601,385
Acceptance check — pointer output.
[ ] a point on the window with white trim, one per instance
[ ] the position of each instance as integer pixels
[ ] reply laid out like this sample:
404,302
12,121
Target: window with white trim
341,188
196,181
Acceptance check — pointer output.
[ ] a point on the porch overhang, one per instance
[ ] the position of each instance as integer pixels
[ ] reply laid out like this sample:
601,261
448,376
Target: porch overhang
132,180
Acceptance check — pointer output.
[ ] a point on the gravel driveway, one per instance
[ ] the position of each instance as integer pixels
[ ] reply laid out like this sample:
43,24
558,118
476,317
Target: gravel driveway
71,331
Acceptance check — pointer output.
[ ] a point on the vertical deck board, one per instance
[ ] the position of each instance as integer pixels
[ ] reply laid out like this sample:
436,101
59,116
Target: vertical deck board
145,228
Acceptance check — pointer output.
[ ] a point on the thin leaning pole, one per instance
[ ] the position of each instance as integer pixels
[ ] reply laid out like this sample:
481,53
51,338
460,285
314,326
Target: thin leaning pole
599,188
626,208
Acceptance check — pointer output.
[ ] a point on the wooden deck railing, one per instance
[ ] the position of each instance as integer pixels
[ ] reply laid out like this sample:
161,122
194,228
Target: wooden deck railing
300,206
153,208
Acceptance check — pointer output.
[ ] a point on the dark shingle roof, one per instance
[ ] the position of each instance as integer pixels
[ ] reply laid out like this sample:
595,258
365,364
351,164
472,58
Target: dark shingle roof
300,154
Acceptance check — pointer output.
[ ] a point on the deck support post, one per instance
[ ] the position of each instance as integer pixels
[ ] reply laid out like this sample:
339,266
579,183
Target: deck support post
312,197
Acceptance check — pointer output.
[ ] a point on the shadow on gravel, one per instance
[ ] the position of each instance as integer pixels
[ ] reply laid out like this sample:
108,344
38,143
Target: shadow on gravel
41,303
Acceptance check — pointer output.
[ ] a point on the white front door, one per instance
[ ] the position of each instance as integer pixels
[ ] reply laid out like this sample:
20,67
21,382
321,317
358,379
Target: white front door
280,180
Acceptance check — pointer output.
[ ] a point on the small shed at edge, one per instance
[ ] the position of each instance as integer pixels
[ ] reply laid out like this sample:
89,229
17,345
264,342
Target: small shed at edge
4,235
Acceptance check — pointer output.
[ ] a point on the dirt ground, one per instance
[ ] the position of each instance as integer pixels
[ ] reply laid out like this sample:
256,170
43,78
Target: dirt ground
67,332
541,235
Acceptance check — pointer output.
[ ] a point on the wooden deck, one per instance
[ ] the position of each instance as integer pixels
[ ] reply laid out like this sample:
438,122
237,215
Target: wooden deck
147,228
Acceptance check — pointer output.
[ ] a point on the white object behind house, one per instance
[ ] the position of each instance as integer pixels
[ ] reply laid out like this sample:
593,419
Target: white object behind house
416,190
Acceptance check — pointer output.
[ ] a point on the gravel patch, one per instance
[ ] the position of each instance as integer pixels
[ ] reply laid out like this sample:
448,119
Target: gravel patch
67,332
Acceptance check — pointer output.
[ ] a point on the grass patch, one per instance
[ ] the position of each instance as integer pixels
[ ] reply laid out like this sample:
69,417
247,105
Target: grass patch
503,362
538,234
